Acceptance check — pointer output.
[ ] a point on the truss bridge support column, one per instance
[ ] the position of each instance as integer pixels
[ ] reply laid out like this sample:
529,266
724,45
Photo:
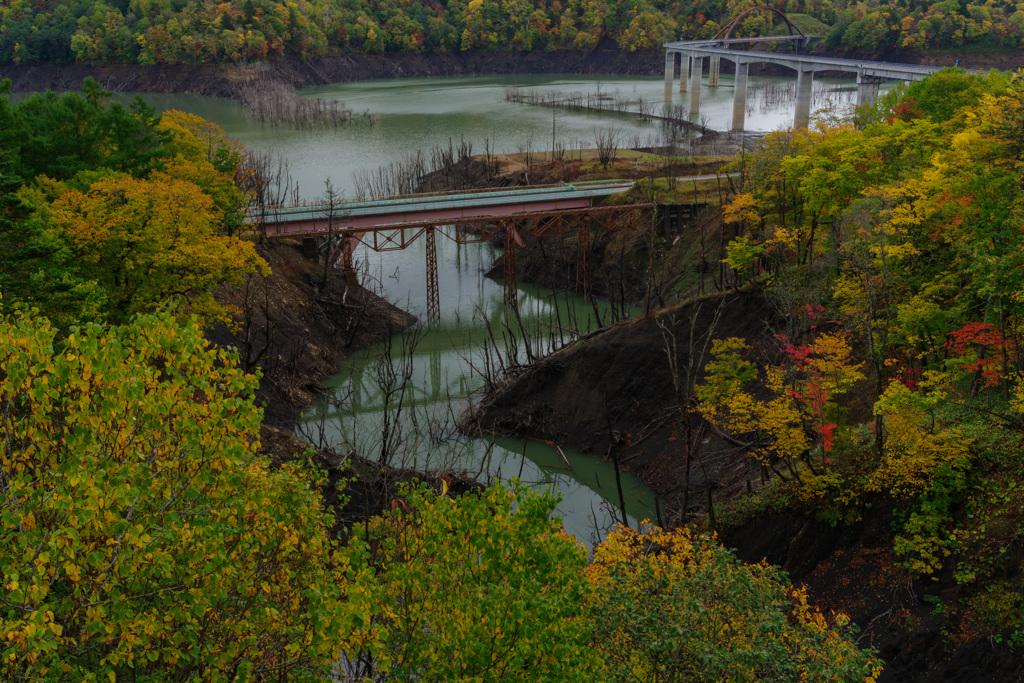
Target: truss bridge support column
713,70
583,265
739,96
511,273
804,85
433,293
696,72
338,251
348,247
670,68
684,72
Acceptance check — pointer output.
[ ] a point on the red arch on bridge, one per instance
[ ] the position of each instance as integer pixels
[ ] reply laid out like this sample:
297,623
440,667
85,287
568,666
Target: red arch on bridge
723,34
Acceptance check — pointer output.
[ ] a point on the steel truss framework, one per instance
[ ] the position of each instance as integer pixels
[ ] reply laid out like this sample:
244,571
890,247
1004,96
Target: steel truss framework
398,236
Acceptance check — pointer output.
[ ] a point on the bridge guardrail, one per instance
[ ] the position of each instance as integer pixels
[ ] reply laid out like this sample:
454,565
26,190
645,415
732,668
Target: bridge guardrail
462,199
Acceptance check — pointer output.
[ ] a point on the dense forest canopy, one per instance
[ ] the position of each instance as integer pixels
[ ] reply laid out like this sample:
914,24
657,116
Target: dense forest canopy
902,237
106,212
144,537
195,31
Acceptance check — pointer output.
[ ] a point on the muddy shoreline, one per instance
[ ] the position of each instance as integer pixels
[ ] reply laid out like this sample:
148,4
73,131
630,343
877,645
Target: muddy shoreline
225,80
296,325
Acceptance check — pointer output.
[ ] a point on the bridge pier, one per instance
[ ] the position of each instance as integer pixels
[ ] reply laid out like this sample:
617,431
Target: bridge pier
670,66
696,72
583,265
342,255
867,88
435,373
684,71
716,63
804,83
739,96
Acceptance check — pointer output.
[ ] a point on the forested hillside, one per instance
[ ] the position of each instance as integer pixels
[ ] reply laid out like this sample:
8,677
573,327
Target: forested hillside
894,253
193,31
106,212
861,359
144,537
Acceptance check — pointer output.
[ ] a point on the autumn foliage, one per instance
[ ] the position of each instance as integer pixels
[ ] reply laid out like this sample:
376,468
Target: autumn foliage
159,31
140,535
149,213
142,538
901,227
678,606
792,422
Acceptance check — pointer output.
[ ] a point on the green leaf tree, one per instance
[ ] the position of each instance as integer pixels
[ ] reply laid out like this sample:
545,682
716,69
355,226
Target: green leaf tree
141,538
485,587
677,606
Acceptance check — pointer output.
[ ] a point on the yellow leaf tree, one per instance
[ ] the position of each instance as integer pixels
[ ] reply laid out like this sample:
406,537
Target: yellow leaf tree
677,606
141,537
199,152
149,241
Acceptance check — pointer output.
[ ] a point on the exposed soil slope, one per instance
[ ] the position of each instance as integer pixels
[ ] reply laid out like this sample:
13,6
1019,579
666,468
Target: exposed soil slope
848,568
623,270
225,80
296,330
616,388
618,268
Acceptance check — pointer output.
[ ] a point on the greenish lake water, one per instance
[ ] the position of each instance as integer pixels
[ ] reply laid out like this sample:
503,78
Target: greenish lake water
423,112
445,362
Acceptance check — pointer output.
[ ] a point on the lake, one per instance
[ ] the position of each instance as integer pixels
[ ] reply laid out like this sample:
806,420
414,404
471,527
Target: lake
445,360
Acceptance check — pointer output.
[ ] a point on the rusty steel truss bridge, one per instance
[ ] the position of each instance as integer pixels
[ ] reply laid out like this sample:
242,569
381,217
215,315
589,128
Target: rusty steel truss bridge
396,223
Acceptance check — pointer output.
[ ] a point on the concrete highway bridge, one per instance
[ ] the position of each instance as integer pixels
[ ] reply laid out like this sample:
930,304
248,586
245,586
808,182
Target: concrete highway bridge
397,222
692,55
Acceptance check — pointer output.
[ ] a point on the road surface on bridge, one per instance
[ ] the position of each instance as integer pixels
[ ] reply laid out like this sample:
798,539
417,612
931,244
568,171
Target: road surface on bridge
362,216
862,67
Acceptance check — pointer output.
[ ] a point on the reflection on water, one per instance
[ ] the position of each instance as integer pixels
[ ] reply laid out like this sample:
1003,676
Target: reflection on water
372,409
447,363
418,113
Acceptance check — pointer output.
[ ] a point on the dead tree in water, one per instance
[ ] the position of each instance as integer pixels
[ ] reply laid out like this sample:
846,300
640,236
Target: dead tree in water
330,203
446,168
453,164
606,140
401,176
277,103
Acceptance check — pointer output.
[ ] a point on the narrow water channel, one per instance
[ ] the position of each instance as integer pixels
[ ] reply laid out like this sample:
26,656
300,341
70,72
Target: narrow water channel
447,360
447,363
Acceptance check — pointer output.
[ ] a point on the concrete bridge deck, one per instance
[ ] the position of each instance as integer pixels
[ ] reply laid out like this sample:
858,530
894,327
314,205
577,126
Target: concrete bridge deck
808,63
692,53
